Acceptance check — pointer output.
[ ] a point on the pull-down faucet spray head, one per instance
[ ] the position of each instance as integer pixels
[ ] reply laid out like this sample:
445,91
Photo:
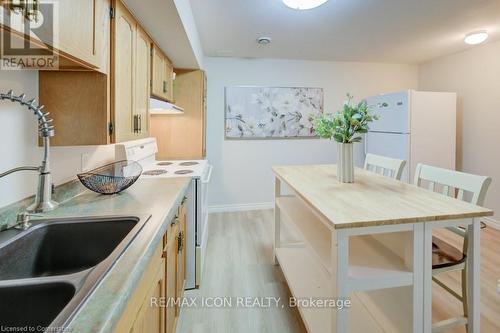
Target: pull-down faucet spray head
43,199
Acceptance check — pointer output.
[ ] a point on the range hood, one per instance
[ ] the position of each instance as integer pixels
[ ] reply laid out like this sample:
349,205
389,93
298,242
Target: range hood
160,107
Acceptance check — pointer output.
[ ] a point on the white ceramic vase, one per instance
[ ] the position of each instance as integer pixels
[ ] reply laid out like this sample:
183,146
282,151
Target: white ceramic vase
345,162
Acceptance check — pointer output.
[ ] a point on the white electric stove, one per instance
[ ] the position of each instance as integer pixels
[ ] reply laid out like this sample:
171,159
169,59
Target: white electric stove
144,151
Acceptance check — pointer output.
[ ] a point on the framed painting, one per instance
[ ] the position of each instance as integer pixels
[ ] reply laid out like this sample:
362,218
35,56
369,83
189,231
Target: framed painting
271,112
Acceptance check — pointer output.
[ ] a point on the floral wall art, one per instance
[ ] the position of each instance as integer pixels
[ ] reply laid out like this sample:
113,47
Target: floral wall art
272,112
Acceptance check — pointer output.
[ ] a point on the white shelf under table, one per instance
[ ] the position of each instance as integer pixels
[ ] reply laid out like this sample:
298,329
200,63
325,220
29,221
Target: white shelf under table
307,279
371,266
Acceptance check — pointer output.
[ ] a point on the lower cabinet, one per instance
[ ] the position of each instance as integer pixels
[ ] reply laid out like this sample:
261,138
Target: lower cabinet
151,318
154,306
170,253
181,252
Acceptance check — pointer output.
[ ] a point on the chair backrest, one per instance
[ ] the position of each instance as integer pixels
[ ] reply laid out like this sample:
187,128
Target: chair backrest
455,182
385,166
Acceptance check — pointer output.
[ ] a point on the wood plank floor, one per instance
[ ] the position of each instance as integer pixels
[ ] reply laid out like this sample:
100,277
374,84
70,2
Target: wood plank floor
239,264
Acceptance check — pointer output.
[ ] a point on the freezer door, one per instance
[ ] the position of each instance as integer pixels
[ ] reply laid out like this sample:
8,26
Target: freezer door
390,145
393,112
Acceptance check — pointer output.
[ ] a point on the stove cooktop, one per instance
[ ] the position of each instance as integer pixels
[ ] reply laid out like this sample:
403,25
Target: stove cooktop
174,168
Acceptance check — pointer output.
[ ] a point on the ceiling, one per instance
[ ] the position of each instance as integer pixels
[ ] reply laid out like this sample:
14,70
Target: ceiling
163,22
398,31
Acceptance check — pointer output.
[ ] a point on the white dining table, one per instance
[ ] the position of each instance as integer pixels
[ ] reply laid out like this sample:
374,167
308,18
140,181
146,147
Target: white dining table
323,241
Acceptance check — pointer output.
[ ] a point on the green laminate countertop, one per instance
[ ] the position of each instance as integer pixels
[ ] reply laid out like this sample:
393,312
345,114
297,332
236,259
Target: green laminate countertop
159,198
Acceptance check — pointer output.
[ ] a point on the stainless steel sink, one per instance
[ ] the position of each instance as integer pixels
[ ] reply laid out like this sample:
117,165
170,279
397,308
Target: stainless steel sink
33,304
61,248
47,271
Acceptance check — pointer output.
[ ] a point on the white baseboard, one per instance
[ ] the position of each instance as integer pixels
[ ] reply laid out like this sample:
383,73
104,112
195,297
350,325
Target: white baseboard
495,224
240,207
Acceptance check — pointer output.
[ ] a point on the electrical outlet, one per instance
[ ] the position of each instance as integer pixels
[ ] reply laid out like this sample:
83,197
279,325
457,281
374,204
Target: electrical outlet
84,162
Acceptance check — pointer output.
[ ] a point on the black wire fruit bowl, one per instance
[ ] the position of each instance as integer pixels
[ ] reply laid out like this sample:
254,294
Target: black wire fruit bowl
111,178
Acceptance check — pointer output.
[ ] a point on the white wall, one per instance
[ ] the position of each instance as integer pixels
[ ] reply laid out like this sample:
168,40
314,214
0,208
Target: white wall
475,76
242,169
19,146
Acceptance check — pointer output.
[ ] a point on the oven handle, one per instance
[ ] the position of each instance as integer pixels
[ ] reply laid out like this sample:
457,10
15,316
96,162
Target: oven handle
209,175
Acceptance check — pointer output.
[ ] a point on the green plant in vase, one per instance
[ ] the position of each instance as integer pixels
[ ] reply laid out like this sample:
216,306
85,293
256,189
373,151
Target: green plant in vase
345,127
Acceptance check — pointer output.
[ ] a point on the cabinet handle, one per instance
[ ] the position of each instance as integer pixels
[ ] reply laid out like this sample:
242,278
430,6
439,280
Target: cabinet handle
180,241
184,200
136,123
32,13
29,11
164,86
18,7
175,220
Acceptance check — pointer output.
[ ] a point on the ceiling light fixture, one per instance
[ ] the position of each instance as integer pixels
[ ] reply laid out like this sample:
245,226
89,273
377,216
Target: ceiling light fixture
475,38
303,4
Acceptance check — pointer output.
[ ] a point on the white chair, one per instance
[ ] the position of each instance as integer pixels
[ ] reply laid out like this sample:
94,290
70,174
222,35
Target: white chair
390,167
446,257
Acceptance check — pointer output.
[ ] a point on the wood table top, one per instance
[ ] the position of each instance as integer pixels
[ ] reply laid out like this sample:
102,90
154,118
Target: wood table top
372,199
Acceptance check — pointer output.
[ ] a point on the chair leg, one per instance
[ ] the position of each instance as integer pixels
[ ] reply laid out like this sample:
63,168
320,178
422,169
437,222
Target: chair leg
464,295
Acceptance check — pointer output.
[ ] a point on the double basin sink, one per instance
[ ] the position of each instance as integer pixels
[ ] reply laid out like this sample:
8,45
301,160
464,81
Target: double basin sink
48,271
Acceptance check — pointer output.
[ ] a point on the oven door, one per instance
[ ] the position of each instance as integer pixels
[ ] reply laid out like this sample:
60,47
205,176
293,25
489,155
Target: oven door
201,221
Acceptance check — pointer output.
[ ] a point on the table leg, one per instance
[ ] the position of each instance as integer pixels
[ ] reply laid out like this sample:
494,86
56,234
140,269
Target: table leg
418,277
340,279
277,219
427,279
473,277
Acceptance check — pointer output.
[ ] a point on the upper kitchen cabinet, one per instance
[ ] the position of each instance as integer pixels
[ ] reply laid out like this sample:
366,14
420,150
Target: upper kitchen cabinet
182,136
142,78
130,76
93,108
84,31
162,73
122,86
82,27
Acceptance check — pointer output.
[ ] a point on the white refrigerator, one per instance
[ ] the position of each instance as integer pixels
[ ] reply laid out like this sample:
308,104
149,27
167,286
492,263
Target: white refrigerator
416,126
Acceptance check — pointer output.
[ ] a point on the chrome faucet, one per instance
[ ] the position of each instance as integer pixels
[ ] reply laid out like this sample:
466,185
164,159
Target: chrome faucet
43,199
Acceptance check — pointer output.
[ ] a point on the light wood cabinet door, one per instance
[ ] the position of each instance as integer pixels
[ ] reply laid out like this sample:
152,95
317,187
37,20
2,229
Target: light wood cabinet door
142,79
123,81
154,316
144,311
81,34
183,136
84,30
164,280
170,277
157,72
181,250
162,74
168,87
151,318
